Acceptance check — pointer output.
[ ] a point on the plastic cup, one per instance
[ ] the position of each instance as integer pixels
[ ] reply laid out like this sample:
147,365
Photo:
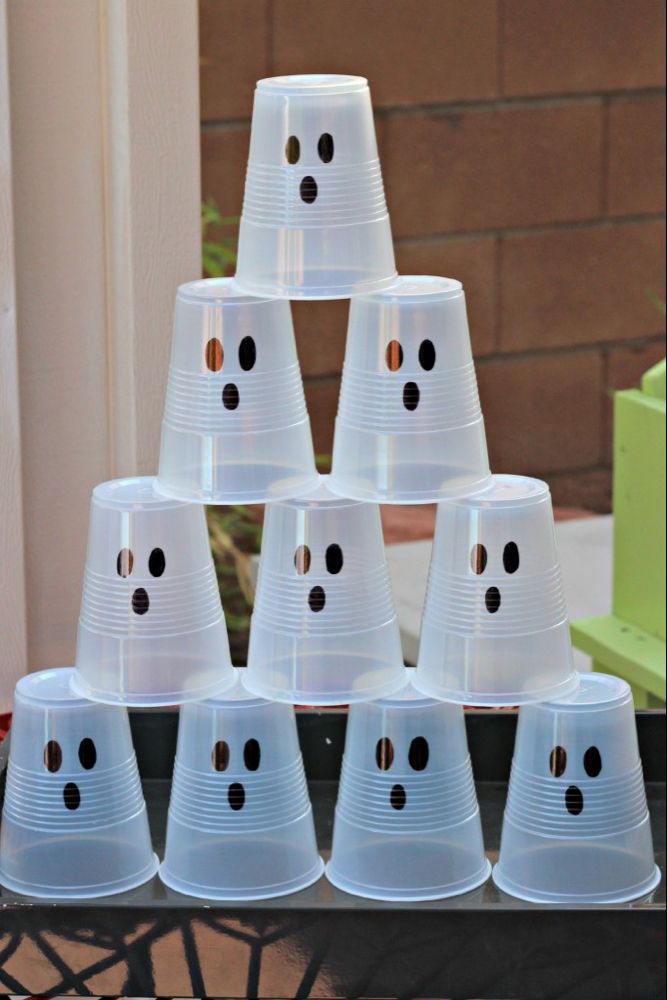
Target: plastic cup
151,629
235,426
576,826
407,824
494,628
240,823
314,223
324,630
409,426
74,821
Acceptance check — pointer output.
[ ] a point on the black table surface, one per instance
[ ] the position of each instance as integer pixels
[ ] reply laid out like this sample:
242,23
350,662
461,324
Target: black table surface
322,942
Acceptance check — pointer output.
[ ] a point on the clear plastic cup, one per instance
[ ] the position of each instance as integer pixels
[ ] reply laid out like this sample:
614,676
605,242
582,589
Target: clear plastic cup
151,628
240,823
407,824
314,223
74,821
409,427
495,629
235,426
324,629
576,826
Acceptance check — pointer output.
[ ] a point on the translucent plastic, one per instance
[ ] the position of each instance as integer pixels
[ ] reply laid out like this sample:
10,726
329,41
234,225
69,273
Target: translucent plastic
151,629
314,223
407,824
576,826
409,426
494,628
240,823
74,820
235,426
324,630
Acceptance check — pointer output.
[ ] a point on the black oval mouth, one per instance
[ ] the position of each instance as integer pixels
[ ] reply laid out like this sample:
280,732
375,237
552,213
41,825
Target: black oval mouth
492,600
236,796
71,795
397,797
574,800
230,396
140,601
317,599
308,190
411,396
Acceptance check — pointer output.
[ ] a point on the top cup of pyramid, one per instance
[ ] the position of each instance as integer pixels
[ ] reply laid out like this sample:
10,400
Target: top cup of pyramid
314,223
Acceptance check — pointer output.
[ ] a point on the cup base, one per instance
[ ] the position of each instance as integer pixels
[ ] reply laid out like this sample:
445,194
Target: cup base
408,895
323,699
88,892
443,484
134,700
238,895
567,899
497,699
341,287
282,485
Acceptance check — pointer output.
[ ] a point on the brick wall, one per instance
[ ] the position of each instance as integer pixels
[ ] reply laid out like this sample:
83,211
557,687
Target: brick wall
522,145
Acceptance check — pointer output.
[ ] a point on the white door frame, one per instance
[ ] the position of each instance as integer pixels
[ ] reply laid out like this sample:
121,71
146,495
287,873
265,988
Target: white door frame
102,109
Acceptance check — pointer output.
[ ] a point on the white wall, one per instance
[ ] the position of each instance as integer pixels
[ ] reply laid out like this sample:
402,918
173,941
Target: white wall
105,157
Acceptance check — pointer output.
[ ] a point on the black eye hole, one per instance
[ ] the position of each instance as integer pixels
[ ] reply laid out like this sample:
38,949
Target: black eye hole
384,753
511,557
292,149
247,354
214,355
334,559
418,753
87,754
393,356
252,754
156,562
427,355
302,560
124,562
592,762
478,559
220,756
558,761
53,756
325,147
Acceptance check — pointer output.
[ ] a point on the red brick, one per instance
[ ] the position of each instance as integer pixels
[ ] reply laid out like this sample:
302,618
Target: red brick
224,154
435,51
542,414
581,286
575,46
625,367
473,262
636,171
233,54
322,400
321,329
491,169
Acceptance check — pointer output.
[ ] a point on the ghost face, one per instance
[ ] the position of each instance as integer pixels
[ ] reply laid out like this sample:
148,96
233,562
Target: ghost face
561,765
85,757
156,563
216,361
417,757
425,359
308,186
333,562
249,759
479,558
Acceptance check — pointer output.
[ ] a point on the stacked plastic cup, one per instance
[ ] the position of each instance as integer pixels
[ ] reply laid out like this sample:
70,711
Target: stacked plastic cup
314,223
409,426
407,823
235,426
576,826
240,822
74,820
151,629
324,630
494,628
